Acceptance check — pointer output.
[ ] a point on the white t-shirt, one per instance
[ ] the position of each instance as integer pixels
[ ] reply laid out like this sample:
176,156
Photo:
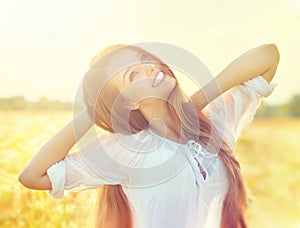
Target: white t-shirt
160,177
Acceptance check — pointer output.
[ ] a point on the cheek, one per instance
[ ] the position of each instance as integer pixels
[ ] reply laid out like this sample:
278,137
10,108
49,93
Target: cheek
143,89
163,91
134,93
167,86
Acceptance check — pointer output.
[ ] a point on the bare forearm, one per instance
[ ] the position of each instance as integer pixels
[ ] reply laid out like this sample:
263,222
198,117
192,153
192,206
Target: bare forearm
262,60
34,175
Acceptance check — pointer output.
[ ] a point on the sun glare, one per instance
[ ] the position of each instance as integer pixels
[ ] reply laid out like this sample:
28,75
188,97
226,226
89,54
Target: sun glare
295,2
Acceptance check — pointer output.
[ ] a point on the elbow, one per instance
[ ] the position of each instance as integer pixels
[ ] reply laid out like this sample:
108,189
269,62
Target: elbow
25,180
31,181
273,51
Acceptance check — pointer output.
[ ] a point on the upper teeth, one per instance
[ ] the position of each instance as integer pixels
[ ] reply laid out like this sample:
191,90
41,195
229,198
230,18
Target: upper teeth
158,78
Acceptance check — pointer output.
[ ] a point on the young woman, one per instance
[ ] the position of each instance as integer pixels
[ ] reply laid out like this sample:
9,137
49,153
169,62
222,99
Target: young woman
168,160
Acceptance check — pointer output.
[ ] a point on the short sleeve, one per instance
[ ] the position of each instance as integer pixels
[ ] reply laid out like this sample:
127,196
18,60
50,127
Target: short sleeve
56,174
91,167
234,110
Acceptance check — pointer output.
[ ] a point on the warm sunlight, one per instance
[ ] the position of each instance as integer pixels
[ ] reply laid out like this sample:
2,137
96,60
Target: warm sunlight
294,2
46,47
38,50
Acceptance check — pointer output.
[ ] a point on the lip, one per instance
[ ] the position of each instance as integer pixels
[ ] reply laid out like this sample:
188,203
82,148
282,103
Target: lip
158,74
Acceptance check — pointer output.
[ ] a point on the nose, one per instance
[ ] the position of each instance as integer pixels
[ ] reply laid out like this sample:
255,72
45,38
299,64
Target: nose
144,70
149,69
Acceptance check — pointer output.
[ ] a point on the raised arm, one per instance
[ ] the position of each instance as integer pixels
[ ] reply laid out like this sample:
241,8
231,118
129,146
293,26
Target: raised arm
34,175
262,60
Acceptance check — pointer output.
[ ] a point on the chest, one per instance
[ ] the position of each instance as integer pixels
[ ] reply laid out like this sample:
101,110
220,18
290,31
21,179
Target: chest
184,189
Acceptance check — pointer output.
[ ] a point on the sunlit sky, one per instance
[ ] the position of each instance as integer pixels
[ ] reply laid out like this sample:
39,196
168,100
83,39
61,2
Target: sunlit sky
46,45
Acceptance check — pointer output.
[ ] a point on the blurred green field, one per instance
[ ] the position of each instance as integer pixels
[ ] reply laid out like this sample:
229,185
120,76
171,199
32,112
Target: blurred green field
269,152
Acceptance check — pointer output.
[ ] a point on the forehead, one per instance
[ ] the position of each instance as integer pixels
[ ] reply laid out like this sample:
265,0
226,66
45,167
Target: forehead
128,56
119,62
125,56
115,63
121,59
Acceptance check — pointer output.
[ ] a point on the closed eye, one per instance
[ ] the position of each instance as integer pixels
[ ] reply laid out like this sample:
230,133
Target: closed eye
129,75
132,75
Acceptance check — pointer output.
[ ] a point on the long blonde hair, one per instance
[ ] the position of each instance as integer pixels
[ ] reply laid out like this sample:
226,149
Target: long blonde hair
113,206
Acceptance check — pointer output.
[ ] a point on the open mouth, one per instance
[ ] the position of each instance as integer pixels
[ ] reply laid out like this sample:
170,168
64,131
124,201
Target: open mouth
159,78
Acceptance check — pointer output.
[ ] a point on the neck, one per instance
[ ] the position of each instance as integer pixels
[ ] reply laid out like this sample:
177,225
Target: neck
160,120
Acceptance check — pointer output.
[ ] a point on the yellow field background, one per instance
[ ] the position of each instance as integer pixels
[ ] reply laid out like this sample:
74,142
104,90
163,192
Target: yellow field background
269,152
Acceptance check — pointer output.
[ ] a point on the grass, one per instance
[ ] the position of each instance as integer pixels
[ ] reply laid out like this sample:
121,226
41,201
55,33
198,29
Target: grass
21,133
268,150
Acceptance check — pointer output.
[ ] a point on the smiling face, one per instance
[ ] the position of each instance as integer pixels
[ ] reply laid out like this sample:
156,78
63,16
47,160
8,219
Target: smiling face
121,77
147,80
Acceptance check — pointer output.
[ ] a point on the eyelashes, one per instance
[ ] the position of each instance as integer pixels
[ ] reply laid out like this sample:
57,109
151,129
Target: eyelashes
147,72
132,75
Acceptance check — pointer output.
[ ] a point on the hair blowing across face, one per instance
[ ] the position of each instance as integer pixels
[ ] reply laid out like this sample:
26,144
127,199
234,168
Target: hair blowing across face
113,207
